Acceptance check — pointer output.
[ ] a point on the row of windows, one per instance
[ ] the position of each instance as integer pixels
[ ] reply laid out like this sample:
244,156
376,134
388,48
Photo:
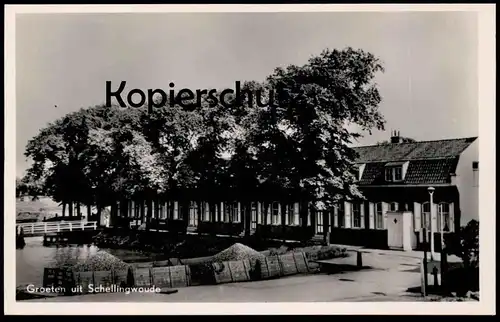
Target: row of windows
444,218
232,213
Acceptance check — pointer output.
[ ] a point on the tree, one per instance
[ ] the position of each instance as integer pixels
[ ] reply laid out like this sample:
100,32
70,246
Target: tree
295,149
302,142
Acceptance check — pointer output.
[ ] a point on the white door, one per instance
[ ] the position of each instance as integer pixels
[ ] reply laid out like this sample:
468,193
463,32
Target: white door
395,230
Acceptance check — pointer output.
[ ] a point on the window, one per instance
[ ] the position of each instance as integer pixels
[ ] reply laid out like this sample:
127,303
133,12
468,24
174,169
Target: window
137,210
379,216
177,213
444,217
206,211
398,174
290,212
253,221
275,214
235,215
393,206
231,213
356,215
193,213
394,174
226,211
161,210
319,222
340,215
156,210
426,215
388,174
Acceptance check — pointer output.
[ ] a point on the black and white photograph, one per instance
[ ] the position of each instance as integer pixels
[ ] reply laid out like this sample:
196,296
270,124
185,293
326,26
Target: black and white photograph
250,156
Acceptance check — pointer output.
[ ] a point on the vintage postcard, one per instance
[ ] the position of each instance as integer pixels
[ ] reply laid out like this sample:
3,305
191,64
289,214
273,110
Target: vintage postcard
250,159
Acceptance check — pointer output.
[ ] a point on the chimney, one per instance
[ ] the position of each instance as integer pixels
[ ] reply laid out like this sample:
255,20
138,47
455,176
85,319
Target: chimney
395,137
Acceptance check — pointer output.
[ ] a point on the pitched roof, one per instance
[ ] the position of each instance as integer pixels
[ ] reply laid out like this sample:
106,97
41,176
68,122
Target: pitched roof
431,171
422,150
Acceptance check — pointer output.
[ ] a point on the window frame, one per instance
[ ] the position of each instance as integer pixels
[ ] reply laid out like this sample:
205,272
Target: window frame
205,208
275,217
319,222
379,222
395,171
390,173
340,215
253,215
354,216
393,203
447,219
193,214
234,215
425,215
290,214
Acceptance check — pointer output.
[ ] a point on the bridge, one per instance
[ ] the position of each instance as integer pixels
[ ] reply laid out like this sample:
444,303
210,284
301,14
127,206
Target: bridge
44,228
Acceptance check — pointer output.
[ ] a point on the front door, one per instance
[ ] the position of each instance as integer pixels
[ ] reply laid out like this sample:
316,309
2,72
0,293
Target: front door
395,229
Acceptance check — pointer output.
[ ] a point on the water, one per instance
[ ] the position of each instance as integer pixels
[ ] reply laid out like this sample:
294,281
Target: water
34,257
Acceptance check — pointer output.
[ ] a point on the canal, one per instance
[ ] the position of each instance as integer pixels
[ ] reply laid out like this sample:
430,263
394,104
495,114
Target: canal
34,257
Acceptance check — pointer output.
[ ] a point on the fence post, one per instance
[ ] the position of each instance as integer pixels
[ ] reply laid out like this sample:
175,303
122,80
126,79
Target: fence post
435,274
45,227
82,225
58,227
70,226
32,228
95,225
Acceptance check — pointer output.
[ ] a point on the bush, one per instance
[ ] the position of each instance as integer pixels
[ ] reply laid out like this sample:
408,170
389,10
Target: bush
465,244
462,279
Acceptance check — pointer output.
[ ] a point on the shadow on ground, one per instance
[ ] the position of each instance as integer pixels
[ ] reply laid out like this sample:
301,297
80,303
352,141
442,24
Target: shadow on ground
344,268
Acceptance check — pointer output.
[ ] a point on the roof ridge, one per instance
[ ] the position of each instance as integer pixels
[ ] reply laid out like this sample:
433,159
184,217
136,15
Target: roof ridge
416,142
410,160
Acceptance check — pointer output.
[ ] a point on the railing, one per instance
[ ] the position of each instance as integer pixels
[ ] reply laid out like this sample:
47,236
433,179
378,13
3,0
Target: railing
41,228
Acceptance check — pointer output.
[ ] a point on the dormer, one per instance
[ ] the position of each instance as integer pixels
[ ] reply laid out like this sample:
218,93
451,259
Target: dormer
396,171
358,170
361,168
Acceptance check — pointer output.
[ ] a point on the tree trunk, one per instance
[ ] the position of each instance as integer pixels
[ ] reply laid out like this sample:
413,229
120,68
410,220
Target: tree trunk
143,212
303,210
283,219
89,212
70,208
326,226
149,215
185,212
247,217
200,214
64,209
78,212
211,207
264,219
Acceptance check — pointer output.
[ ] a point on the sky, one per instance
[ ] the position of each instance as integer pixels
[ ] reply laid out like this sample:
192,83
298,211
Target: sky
428,89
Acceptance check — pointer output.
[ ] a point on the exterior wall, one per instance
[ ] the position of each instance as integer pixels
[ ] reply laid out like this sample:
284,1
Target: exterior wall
369,232
467,185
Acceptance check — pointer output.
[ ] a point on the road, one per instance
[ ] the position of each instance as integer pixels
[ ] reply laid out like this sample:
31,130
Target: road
390,275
